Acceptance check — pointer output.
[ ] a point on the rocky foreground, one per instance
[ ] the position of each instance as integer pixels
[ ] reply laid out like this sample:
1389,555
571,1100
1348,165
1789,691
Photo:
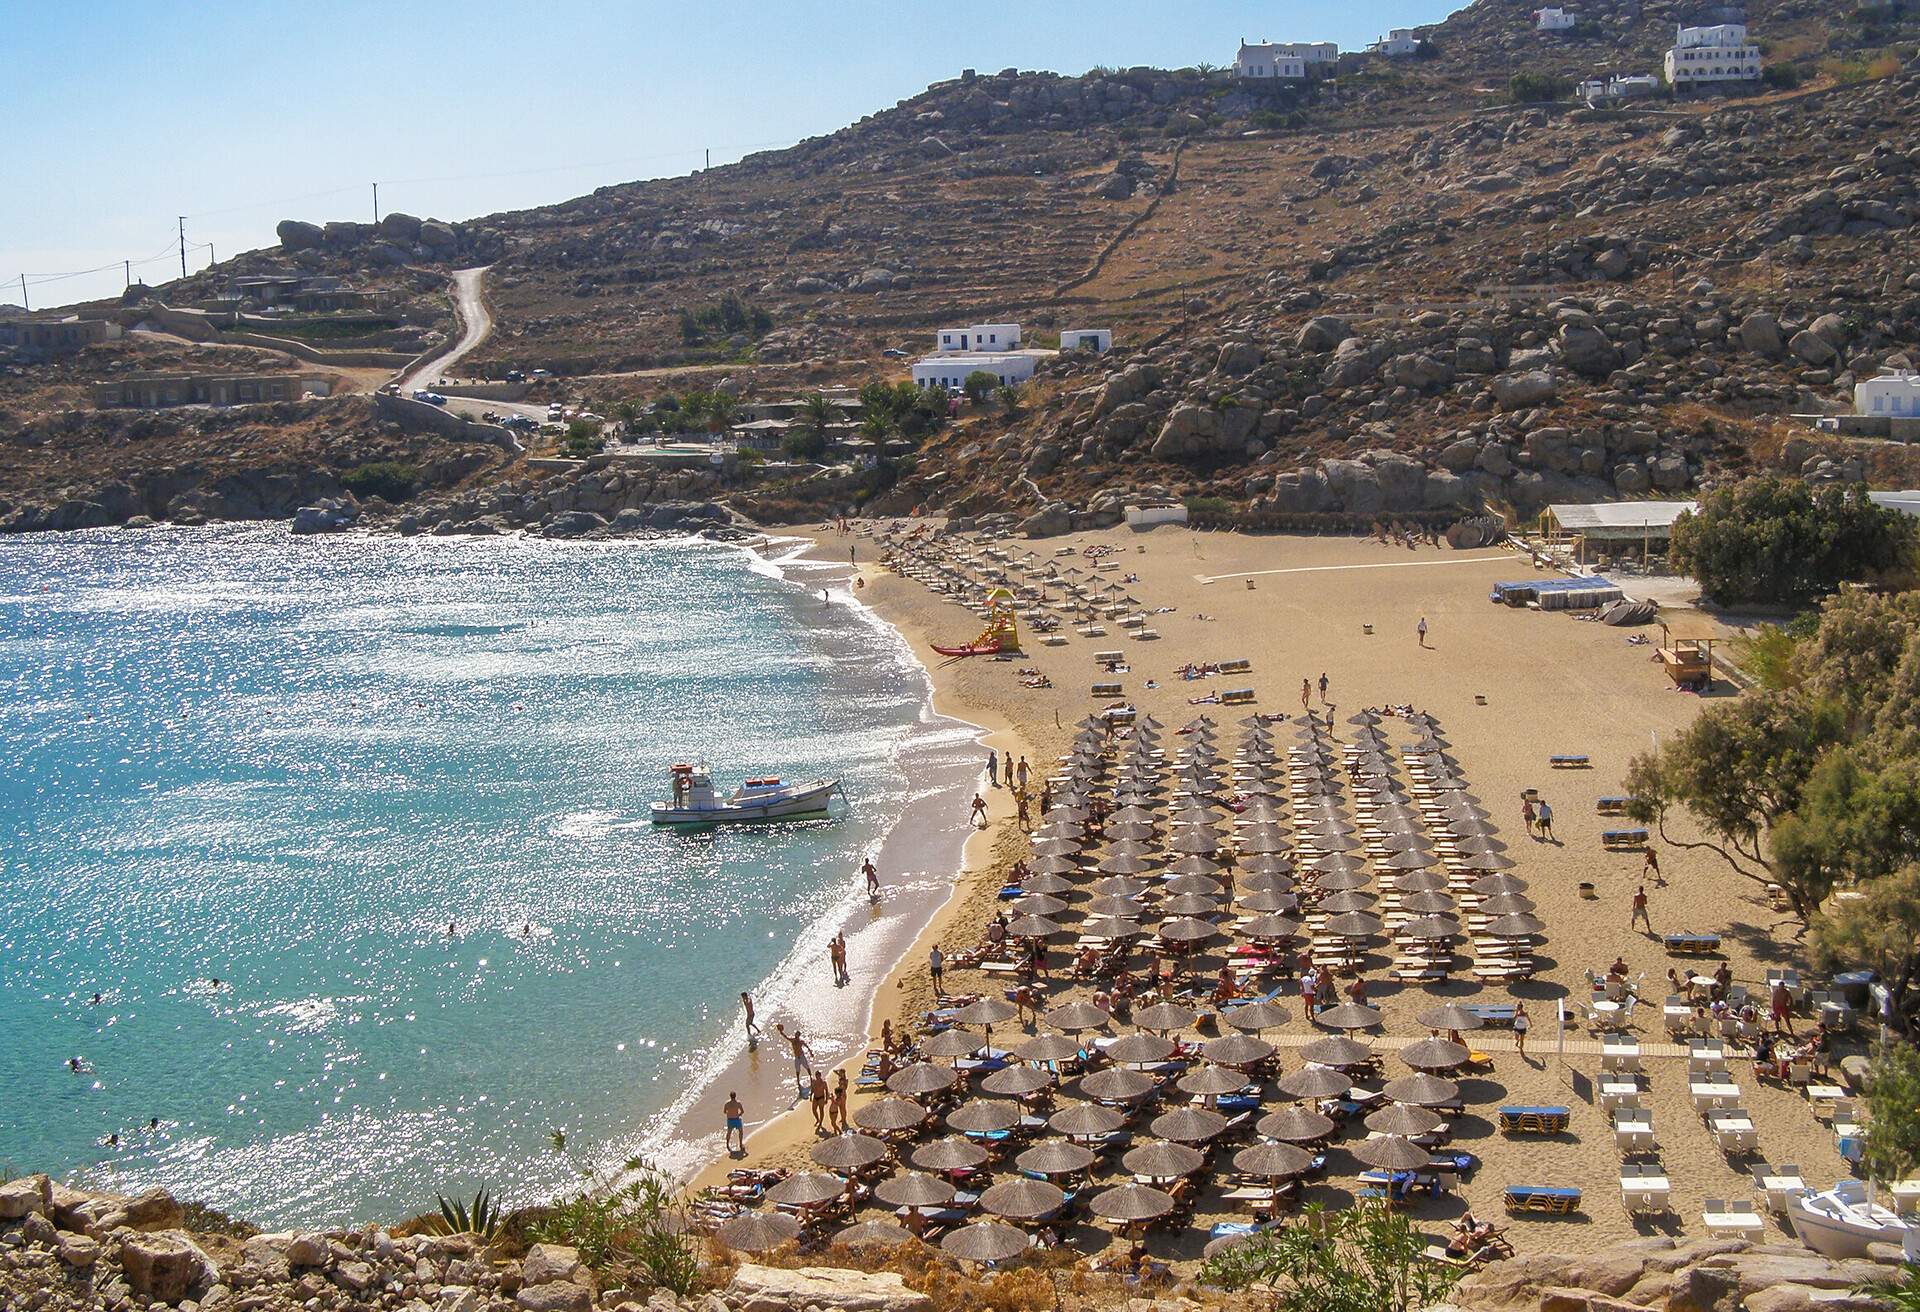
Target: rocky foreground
64,1249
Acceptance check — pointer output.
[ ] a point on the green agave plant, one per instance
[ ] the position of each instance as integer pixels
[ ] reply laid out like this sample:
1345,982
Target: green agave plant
480,1217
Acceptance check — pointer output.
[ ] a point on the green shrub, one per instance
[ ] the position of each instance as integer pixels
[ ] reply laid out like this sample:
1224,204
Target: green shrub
637,1223
1777,541
1784,76
390,480
1360,1259
480,1217
1537,88
1208,506
979,385
583,439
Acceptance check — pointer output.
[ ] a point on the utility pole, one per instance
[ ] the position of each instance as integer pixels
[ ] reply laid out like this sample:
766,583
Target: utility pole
127,266
376,202
709,158
23,293
183,245
212,259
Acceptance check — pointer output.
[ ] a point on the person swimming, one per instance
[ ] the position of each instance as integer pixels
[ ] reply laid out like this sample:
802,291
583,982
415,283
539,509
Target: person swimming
95,1001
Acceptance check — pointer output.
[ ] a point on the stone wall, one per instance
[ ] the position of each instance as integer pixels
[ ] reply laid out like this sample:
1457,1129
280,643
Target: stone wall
418,416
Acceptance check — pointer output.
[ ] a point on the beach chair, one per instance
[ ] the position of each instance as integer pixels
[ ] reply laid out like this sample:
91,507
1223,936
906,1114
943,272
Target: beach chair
1550,1200
1612,805
1236,697
1534,1120
1633,1130
1733,1130
1844,1121
1569,761
1238,665
1618,839
1107,689
1777,1183
1732,1219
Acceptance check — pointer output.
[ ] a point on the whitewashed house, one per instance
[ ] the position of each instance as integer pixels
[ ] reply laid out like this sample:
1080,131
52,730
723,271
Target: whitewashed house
980,337
992,348
1720,53
1283,60
1099,340
1397,43
1635,86
1554,20
1895,394
1267,62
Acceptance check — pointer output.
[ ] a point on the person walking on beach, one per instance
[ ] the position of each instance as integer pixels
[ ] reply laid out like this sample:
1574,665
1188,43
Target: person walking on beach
1323,686
1651,868
1520,1026
736,1113
1020,772
1421,630
821,1098
1306,694
839,1113
1006,767
937,967
1545,814
753,1031
978,817
1780,1003
873,879
993,769
802,1056
1640,916
1046,797
1527,814
1020,806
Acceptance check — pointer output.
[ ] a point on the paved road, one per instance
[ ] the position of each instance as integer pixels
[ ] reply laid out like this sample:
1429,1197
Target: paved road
476,324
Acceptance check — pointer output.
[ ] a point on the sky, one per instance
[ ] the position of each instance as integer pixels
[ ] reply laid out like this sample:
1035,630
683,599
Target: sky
123,116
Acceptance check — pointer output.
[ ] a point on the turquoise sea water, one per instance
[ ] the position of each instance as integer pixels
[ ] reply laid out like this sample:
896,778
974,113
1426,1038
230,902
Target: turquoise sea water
288,764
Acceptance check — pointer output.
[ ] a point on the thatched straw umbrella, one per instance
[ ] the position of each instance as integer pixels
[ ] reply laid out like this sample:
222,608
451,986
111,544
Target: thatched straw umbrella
756,1232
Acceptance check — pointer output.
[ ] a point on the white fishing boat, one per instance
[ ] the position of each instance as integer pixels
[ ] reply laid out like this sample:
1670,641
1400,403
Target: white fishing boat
694,801
1843,1220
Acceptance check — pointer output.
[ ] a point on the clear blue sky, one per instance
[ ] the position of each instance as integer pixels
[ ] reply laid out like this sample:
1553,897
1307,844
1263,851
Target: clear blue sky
120,116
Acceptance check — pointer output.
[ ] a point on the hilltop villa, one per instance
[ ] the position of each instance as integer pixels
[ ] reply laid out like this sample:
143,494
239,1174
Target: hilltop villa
1400,41
1712,54
992,348
1284,60
1554,20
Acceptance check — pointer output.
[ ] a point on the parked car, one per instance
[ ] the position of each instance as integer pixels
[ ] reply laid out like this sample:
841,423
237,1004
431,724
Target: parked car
515,376
431,398
520,422
894,353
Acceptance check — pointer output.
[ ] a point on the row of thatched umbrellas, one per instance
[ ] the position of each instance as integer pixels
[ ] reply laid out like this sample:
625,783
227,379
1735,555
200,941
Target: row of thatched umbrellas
1265,865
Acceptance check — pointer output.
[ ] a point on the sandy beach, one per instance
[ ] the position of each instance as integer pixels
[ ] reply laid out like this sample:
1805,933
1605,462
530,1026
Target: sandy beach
1509,688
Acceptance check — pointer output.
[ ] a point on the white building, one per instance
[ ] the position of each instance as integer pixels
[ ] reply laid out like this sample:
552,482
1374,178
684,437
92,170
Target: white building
1087,339
1553,20
980,337
948,370
1400,41
1635,86
1712,54
1894,394
1267,62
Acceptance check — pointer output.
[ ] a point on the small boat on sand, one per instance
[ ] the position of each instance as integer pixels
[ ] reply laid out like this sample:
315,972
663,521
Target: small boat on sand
694,801
1841,1221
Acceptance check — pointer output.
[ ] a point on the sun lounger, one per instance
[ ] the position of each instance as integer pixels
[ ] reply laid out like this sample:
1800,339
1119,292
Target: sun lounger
1569,761
1623,838
1534,1120
1732,1219
1612,805
1549,1199
1238,665
1236,697
1112,689
1690,944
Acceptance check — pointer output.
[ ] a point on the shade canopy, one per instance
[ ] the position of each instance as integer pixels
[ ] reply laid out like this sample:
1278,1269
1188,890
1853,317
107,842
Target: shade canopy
914,1189
849,1152
983,1117
889,1115
1391,1152
1297,1125
756,1232
952,1153
805,1188
985,1241
1055,1157
1021,1199
1274,1159
1131,1202
1162,1160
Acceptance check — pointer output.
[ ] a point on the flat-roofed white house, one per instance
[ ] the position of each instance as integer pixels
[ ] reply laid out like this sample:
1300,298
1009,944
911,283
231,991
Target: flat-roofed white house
1634,86
1554,20
1894,394
1720,53
980,337
1087,339
1399,42
948,370
1267,62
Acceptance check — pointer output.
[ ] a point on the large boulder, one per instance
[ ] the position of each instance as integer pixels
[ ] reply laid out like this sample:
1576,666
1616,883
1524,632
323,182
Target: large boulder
1126,387
1322,333
438,236
165,1265
1239,358
1353,363
1759,332
1530,387
777,1289
1189,430
297,235
30,1194
1420,371
1813,348
400,227
573,524
1586,350
1049,522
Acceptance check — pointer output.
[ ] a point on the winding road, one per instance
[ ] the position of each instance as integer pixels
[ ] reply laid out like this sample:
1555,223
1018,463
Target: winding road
476,325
